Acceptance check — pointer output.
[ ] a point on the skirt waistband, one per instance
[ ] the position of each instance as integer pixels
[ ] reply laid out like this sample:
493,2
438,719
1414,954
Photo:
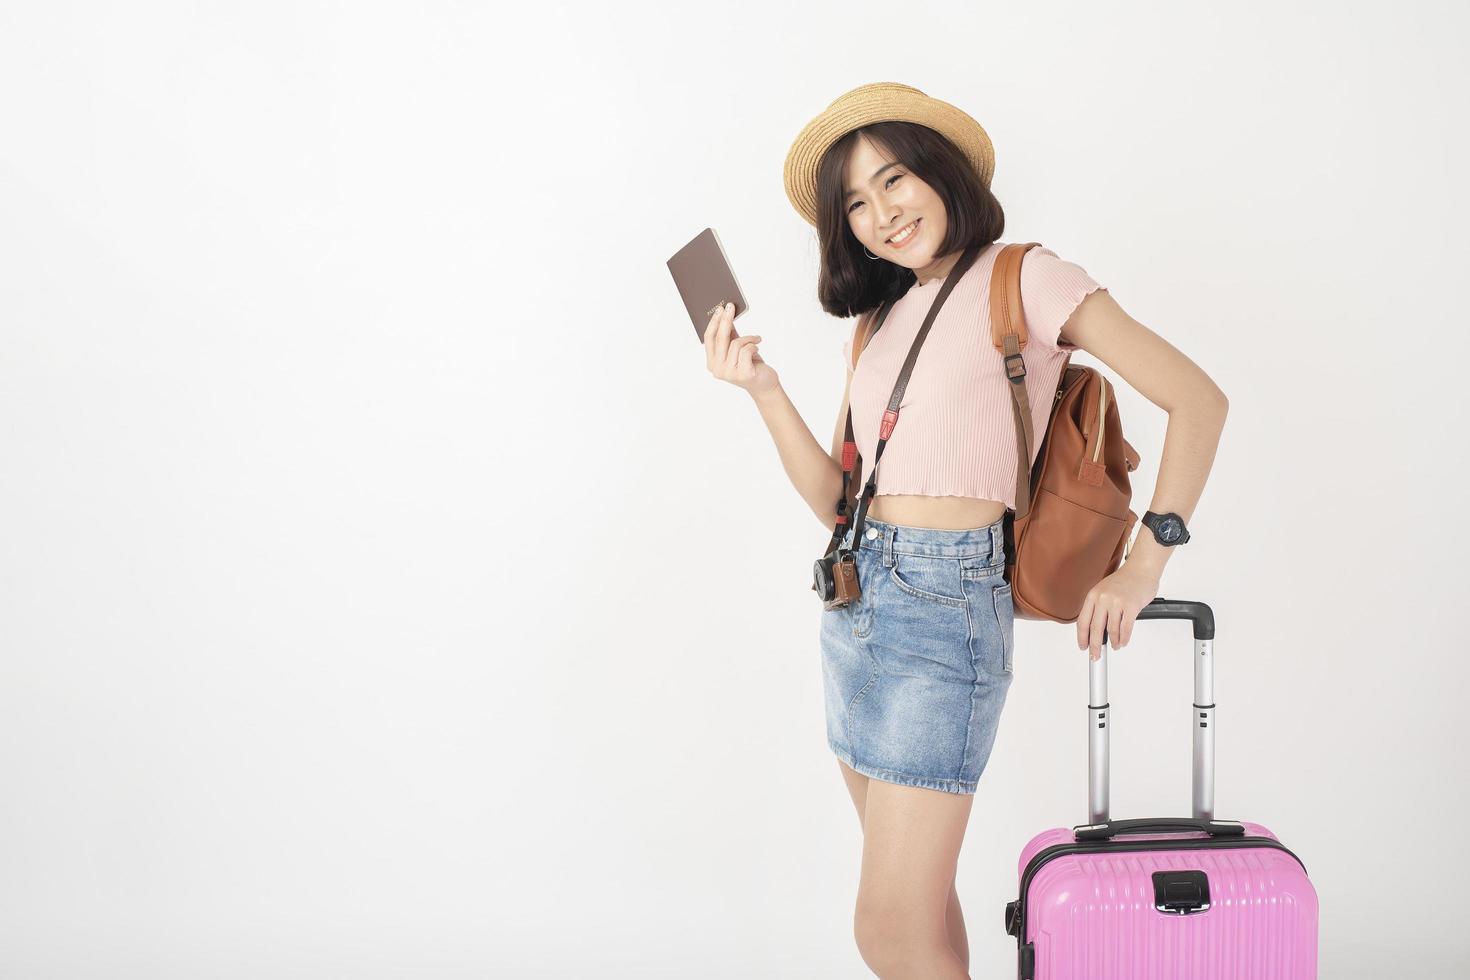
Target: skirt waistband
935,542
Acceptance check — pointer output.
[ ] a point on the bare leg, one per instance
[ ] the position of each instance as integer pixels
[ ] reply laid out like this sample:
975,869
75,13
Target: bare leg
954,924
903,959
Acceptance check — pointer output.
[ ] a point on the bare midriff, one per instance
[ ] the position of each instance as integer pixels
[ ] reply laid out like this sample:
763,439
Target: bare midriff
945,513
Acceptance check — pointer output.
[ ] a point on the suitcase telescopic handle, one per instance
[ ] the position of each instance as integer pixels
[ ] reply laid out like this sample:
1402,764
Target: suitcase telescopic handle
1158,825
1196,612
1202,715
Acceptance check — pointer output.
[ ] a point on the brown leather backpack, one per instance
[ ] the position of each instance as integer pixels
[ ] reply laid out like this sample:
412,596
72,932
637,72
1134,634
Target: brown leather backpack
1072,516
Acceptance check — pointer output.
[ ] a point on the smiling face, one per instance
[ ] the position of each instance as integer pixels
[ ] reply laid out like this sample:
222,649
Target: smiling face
884,199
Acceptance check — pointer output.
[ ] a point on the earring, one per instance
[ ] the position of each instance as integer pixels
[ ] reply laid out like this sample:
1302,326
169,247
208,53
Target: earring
867,253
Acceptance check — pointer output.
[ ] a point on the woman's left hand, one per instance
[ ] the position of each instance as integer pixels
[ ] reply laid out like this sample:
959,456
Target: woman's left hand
1113,604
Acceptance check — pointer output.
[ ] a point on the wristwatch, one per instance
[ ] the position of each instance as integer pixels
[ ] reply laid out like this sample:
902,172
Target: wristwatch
1168,528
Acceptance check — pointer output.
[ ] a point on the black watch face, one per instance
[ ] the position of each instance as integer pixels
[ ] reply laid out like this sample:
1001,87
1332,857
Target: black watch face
1170,529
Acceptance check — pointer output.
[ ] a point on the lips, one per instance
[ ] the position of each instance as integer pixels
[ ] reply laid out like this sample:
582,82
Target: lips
914,224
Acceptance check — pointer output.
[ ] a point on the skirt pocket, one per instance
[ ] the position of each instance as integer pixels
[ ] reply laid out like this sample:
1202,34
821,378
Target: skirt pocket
934,580
1005,618
992,626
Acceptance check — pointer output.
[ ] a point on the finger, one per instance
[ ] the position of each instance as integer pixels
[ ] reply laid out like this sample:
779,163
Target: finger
709,339
1084,622
1099,623
1125,629
712,334
1115,626
742,360
737,347
722,336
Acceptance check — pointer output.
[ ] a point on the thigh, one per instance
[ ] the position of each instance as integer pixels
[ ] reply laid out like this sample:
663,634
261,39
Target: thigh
911,846
857,788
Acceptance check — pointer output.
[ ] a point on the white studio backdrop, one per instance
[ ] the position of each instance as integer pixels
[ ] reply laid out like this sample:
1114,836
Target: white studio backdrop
388,590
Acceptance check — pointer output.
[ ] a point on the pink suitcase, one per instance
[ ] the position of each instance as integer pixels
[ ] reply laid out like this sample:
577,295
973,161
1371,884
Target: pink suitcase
1162,898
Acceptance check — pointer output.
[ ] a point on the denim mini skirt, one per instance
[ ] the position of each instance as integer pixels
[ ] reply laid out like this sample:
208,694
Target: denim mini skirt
915,673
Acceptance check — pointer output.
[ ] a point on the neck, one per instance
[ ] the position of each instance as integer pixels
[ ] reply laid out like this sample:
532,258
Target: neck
938,268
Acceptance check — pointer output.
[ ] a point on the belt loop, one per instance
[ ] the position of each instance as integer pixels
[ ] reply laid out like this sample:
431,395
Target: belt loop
888,533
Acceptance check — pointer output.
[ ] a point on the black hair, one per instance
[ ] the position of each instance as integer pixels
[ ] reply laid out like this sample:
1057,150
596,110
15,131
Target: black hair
850,283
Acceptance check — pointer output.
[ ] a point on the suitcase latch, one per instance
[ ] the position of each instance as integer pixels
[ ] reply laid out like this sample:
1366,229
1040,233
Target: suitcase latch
1181,892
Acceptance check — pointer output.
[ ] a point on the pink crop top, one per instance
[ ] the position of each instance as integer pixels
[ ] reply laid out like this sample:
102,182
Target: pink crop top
956,432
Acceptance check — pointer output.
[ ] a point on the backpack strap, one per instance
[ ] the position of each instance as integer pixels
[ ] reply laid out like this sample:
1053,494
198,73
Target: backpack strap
1008,334
1006,313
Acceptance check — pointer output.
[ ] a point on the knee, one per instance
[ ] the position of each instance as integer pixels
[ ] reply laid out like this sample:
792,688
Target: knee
892,940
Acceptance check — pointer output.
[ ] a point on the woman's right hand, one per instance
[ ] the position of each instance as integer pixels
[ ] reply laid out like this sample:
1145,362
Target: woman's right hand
733,358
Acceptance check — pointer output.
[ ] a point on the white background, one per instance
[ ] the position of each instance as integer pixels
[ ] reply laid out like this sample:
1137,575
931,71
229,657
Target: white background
388,590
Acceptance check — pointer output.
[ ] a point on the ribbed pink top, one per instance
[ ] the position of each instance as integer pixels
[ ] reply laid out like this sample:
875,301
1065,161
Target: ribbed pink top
956,434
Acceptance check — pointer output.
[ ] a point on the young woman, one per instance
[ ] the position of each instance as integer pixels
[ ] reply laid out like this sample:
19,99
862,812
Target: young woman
916,671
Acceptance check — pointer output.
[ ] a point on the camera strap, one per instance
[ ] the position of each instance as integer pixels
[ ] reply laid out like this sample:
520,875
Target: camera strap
852,462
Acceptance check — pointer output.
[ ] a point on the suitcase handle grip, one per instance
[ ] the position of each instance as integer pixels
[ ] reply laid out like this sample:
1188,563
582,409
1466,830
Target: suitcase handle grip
1198,613
1147,825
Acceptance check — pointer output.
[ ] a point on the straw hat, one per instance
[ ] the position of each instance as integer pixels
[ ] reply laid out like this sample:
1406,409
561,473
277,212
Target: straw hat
878,102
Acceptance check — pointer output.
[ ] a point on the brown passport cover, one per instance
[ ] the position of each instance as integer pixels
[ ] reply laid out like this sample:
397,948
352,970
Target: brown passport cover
702,272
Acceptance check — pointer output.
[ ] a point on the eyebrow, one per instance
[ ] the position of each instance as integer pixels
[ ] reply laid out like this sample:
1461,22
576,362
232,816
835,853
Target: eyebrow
872,178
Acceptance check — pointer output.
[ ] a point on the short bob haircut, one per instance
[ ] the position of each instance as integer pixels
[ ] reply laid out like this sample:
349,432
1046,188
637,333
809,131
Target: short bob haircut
850,283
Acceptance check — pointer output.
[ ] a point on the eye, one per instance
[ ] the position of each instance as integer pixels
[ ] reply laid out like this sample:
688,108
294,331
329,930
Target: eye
885,187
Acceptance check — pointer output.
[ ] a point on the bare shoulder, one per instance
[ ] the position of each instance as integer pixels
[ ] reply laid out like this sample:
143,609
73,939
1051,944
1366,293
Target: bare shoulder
1150,364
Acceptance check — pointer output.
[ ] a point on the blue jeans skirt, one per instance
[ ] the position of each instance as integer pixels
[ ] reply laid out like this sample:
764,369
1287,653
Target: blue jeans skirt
915,673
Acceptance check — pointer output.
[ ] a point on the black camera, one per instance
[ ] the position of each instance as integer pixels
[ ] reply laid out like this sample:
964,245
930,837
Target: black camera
835,579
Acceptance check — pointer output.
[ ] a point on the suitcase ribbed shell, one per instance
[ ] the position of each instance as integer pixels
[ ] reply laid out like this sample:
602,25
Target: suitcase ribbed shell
1091,916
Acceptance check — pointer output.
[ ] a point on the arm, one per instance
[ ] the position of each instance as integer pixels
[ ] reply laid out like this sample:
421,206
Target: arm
1197,409
817,475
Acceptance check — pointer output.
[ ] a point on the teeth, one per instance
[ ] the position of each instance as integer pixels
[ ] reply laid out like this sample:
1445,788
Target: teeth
906,232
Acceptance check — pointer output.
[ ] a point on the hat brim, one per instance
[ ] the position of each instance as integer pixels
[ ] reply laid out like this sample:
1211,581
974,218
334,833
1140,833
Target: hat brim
878,102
